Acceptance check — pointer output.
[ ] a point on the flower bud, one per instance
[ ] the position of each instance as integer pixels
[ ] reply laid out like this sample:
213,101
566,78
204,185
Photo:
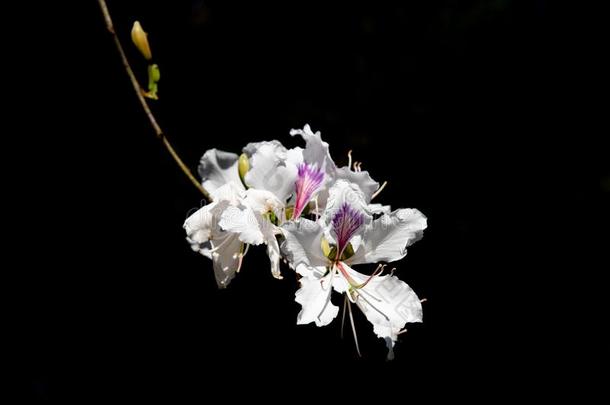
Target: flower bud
330,250
325,247
243,166
140,40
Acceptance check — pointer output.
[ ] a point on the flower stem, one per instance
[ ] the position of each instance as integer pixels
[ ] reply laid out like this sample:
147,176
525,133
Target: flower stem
140,94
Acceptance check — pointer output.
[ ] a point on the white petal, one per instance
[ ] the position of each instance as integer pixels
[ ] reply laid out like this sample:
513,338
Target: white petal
226,259
244,222
262,201
273,251
311,271
386,238
206,237
270,169
253,147
379,209
217,168
316,150
303,243
388,303
202,225
294,156
362,179
314,299
231,192
199,225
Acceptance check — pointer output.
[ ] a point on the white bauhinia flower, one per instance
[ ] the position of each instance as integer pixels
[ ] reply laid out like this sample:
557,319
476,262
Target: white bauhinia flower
208,238
223,229
324,251
250,220
297,176
288,180
247,221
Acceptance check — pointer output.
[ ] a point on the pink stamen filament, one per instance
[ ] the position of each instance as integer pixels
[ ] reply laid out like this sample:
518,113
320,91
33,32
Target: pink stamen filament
345,274
353,282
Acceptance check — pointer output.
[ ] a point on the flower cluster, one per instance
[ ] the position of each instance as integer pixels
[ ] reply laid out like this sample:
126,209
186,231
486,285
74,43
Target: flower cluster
319,219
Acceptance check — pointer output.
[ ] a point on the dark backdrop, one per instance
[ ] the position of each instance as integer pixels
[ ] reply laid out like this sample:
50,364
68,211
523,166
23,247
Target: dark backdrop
453,103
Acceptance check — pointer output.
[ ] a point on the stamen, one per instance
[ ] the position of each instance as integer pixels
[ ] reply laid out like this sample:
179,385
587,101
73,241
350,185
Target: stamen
370,295
377,271
379,190
402,331
345,274
349,159
351,318
375,308
349,295
423,300
353,282
317,209
241,260
343,315
330,290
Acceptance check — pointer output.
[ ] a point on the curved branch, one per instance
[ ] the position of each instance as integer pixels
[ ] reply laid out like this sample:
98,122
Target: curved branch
144,103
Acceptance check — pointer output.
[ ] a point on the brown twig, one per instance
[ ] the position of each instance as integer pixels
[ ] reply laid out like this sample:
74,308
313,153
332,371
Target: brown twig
144,103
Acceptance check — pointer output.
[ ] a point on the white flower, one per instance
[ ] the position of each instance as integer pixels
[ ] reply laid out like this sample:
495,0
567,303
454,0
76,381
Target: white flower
250,221
223,229
322,252
206,237
295,176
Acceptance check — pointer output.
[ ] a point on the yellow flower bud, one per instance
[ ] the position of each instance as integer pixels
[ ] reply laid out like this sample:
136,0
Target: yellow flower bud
243,166
325,247
330,250
140,40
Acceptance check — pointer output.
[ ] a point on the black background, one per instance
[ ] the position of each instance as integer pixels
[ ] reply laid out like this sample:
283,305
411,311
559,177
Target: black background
455,103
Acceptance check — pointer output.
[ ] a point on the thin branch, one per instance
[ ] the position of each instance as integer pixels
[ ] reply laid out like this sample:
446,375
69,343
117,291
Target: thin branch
144,103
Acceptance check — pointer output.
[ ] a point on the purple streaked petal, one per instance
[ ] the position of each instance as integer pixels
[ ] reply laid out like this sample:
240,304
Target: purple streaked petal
346,223
309,180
